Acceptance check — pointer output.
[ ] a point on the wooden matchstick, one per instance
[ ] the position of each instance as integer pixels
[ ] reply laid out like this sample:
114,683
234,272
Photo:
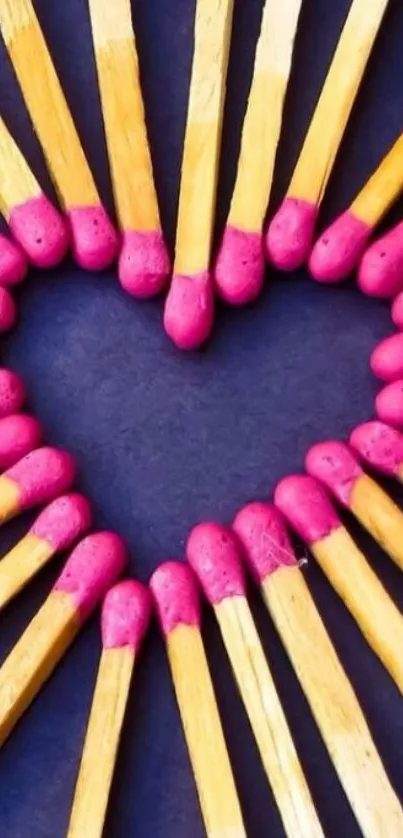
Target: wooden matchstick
339,249
380,446
290,234
94,240
380,272
55,529
337,467
38,478
389,404
305,505
12,392
19,434
8,311
125,616
239,270
387,358
189,308
143,262
177,601
397,305
213,554
263,537
13,262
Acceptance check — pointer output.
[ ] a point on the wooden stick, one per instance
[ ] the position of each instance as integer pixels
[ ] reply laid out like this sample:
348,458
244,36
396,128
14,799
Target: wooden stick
380,272
386,359
94,239
188,316
213,555
291,232
239,270
12,392
37,478
125,616
306,506
262,534
19,434
177,601
389,403
144,261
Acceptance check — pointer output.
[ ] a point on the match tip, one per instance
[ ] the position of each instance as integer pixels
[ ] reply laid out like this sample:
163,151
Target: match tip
397,309
41,231
380,273
174,588
262,533
144,263
12,392
214,556
13,263
379,445
94,239
306,506
239,268
290,233
189,310
339,248
387,358
8,310
336,466
19,434
389,404
42,475
63,521
126,613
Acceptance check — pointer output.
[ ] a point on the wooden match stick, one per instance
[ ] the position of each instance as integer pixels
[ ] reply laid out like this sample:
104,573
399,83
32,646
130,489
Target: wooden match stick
125,616
397,305
214,556
19,434
239,270
8,311
89,572
290,234
94,240
189,308
13,262
337,467
305,505
340,247
177,601
387,358
38,478
380,446
263,537
143,262
55,529
12,392
389,404
380,273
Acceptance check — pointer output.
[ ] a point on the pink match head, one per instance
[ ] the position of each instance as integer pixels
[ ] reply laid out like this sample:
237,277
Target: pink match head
290,233
13,263
397,311
387,358
41,231
239,268
213,554
91,569
94,239
8,310
339,248
176,596
42,475
189,310
144,263
306,506
380,273
126,613
336,466
262,533
63,521
379,445
19,434
389,404
12,392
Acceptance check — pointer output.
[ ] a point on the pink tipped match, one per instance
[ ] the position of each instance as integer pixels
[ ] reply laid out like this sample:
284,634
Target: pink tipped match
239,269
397,311
12,392
144,263
213,554
379,445
380,273
290,234
262,533
8,311
174,588
95,241
389,404
336,466
41,231
42,475
387,358
19,434
126,613
339,248
189,310
63,521
306,506
13,263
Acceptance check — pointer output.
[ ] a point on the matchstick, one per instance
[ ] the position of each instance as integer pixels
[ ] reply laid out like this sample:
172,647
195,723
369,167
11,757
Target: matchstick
380,446
239,269
213,554
13,262
189,308
290,234
55,529
12,392
397,305
89,572
38,478
19,434
389,404
94,239
337,467
8,311
387,358
266,547
340,247
380,272
177,601
305,505
126,613
143,262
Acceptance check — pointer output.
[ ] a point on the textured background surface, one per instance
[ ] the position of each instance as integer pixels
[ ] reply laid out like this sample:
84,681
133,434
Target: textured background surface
164,440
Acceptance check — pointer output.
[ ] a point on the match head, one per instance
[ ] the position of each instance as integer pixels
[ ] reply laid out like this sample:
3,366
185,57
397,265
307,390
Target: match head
290,233
176,596
380,273
214,556
8,310
12,392
91,569
397,309
95,242
339,248
63,521
13,262
306,506
19,434
387,358
189,310
126,613
240,264
41,231
380,446
262,533
42,475
144,263
336,466
389,404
